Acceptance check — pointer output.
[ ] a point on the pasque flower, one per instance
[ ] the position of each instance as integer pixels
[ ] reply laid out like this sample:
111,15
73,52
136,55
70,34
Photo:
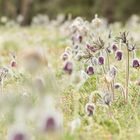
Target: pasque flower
64,56
119,55
111,74
18,136
18,132
91,48
90,109
136,63
52,121
107,99
114,47
68,67
131,47
90,70
13,63
101,60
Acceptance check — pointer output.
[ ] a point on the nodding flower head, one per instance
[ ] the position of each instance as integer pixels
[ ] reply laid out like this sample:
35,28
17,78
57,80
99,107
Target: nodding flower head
90,109
64,56
68,67
17,132
19,136
52,122
114,47
111,74
101,60
90,70
117,85
107,99
108,49
80,38
78,56
136,63
131,47
113,71
119,55
13,64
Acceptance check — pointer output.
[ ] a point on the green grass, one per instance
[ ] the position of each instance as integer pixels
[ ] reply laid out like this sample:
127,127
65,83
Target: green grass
118,122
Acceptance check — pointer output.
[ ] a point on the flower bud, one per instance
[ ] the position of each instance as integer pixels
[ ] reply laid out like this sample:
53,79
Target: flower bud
111,74
114,47
107,99
131,47
78,57
119,55
91,48
64,56
113,71
108,49
94,61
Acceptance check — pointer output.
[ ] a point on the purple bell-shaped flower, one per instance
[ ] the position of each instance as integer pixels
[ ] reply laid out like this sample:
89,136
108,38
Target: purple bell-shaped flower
135,63
114,47
119,55
90,70
68,67
101,60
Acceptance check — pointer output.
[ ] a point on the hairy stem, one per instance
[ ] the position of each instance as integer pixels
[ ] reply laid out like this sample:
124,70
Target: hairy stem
127,77
112,88
108,61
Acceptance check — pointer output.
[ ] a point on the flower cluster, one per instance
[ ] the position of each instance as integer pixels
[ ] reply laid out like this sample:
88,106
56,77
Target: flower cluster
96,51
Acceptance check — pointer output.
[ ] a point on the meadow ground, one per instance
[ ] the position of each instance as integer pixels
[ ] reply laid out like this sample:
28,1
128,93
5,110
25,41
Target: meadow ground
119,121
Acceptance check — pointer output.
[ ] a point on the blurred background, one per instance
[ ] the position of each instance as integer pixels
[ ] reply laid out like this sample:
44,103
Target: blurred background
113,10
